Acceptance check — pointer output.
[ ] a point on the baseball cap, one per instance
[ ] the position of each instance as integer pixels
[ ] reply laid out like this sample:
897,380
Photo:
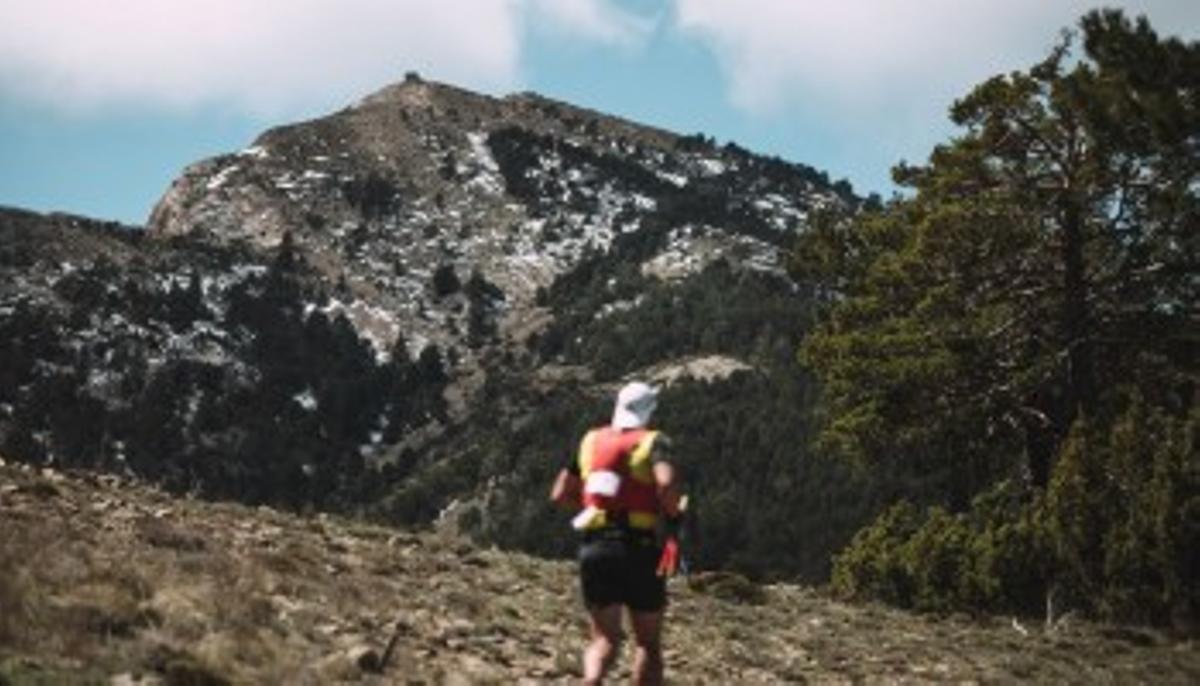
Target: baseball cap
635,403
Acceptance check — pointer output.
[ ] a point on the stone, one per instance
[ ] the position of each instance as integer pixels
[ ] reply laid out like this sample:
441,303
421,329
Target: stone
366,658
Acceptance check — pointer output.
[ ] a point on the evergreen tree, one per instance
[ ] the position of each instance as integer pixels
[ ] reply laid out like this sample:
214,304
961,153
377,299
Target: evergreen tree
1048,253
1030,310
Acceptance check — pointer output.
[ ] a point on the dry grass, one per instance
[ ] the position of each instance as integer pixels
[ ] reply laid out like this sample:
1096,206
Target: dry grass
100,579
16,607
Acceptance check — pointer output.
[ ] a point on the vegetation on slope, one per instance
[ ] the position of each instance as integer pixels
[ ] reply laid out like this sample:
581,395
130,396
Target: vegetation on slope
237,393
1023,327
102,580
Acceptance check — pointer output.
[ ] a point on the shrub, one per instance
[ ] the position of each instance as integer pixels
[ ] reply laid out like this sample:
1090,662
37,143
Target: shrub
873,565
1123,512
445,281
937,561
1114,535
374,196
936,558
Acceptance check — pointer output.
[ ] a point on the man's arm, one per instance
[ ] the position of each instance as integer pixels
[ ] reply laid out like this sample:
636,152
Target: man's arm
567,490
665,478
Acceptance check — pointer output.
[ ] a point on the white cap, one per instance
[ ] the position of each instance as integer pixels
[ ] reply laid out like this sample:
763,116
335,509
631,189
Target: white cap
635,404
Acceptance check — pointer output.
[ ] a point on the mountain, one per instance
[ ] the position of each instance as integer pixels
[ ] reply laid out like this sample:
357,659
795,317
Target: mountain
420,177
411,309
104,580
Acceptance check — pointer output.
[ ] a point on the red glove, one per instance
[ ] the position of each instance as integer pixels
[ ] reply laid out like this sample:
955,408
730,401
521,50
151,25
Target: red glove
668,562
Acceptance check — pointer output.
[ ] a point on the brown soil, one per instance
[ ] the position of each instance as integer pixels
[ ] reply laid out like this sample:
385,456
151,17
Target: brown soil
105,581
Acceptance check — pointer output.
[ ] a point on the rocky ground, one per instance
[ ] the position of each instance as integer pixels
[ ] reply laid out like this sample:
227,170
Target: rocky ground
106,581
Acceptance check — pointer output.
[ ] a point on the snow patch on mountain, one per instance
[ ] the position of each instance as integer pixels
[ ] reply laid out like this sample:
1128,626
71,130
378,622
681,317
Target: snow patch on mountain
705,368
221,177
690,249
255,151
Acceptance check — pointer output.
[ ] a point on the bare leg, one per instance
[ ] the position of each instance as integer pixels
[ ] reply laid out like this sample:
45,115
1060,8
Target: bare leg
606,639
647,660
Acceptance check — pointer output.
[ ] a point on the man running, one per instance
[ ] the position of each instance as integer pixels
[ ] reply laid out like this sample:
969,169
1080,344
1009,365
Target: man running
627,490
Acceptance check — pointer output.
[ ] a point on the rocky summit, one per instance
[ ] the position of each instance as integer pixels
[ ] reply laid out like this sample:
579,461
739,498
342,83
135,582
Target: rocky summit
517,190
103,580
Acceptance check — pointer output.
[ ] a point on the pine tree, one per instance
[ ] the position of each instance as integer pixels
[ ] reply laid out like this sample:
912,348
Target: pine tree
1030,310
1047,253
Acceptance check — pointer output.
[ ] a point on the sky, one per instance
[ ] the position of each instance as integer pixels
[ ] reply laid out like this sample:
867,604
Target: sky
102,104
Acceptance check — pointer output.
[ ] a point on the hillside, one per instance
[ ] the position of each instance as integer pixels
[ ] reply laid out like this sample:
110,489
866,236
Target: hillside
410,309
103,580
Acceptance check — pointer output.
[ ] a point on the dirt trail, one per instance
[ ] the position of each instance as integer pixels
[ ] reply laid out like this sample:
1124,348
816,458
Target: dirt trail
103,581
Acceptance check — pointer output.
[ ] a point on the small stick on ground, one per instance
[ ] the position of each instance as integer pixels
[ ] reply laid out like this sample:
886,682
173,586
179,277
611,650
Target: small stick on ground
391,645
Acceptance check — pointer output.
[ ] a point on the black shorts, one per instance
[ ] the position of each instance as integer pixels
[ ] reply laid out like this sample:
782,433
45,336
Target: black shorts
622,571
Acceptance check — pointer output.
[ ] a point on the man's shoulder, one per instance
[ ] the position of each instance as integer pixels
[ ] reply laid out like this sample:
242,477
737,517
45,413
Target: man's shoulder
661,450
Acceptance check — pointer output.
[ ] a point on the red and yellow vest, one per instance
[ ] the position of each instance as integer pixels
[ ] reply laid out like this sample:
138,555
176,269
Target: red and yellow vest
618,478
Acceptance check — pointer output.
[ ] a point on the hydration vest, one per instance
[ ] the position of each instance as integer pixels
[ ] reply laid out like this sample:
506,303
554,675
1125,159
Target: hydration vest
618,479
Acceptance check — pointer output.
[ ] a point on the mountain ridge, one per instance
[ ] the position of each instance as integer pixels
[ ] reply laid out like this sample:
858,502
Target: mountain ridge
422,300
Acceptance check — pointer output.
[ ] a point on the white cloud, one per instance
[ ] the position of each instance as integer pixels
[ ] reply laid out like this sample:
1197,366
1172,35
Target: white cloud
597,21
273,56
873,53
874,78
